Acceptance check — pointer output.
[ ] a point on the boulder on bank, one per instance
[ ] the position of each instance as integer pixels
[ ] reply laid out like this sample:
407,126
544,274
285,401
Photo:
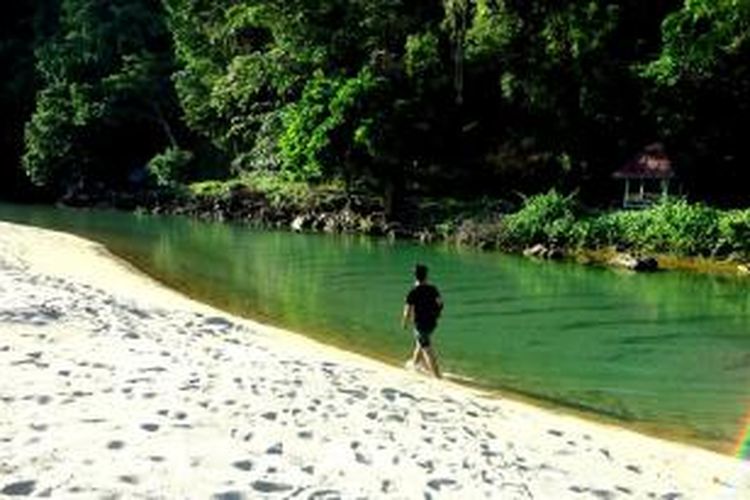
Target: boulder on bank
540,251
424,236
744,268
536,251
300,223
635,263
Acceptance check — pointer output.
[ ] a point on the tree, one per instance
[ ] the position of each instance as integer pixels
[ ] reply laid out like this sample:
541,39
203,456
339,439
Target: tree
246,83
23,26
700,83
459,97
105,104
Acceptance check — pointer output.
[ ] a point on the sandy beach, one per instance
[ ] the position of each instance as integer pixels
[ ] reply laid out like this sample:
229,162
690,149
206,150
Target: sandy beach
113,386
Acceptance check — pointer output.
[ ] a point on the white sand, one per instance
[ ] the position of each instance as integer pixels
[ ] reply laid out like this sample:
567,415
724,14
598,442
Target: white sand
112,386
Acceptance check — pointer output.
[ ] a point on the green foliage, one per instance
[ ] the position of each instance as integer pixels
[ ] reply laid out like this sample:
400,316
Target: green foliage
698,79
456,97
545,218
105,93
171,167
698,37
213,188
280,190
326,124
248,61
277,190
49,137
672,226
493,27
305,136
734,227
578,29
422,57
283,84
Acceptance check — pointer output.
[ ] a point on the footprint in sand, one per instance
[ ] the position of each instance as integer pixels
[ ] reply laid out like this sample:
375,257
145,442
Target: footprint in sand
43,400
269,487
243,465
20,488
229,495
115,445
633,468
277,449
325,495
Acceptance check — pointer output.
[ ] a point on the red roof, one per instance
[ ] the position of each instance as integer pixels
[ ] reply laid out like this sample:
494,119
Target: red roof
652,163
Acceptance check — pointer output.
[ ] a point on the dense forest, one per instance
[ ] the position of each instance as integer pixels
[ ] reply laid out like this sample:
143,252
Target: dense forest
456,98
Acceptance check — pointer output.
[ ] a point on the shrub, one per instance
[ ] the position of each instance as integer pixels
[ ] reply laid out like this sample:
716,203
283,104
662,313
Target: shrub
734,228
601,230
672,226
545,218
171,166
213,188
681,227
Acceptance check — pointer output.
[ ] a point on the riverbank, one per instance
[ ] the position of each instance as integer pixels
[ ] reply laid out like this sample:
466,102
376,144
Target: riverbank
672,234
114,385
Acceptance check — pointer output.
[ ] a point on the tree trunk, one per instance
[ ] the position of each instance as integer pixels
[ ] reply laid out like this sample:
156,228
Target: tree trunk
162,121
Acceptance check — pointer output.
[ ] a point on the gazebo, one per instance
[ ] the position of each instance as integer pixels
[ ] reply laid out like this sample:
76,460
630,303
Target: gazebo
651,168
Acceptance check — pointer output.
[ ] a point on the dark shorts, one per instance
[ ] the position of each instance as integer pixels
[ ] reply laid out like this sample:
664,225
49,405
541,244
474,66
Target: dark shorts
422,335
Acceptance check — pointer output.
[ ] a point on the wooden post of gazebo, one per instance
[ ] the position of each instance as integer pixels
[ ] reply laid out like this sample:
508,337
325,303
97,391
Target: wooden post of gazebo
651,164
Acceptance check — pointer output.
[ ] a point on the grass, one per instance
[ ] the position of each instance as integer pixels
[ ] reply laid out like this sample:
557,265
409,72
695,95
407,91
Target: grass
277,190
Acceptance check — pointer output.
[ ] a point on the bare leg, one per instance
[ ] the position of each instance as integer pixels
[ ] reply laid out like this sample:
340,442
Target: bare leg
417,357
429,356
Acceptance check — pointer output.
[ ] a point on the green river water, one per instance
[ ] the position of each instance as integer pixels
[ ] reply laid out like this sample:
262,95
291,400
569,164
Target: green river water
667,352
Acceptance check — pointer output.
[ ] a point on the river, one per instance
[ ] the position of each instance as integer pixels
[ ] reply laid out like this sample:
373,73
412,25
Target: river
668,353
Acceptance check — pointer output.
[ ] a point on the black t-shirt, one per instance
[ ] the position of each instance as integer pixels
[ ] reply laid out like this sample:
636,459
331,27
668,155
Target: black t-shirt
427,307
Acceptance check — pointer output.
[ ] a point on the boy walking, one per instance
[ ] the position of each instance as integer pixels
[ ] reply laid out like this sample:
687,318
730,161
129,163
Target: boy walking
423,307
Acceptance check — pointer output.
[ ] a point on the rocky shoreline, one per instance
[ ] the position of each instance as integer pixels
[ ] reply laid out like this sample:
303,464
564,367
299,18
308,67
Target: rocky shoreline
347,213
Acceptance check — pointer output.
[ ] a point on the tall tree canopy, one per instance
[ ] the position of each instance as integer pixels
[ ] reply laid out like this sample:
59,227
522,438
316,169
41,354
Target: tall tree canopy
460,96
105,105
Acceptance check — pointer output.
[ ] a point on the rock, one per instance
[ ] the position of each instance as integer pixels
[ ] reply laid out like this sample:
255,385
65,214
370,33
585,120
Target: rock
542,252
555,253
364,225
331,224
424,236
647,264
537,250
744,268
319,222
298,224
634,263
736,257
348,220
